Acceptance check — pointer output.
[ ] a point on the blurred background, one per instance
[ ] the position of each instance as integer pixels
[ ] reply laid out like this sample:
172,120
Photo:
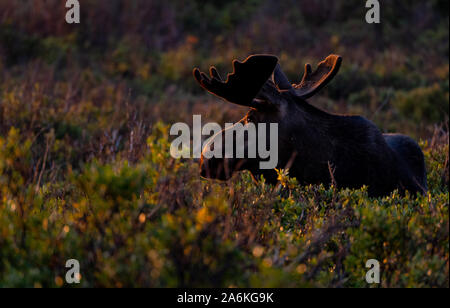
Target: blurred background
395,73
84,166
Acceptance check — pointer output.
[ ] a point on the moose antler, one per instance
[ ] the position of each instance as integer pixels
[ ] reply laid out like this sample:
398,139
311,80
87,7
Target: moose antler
311,82
241,86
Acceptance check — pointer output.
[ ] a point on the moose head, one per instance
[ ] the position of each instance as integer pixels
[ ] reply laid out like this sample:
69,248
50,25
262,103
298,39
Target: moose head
316,146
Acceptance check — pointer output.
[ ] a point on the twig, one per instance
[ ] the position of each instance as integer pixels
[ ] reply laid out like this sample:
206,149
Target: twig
42,168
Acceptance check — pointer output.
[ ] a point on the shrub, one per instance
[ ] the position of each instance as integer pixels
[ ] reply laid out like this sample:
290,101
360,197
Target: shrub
156,224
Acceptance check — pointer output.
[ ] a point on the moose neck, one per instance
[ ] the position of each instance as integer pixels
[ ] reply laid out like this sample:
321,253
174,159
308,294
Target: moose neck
310,132
309,117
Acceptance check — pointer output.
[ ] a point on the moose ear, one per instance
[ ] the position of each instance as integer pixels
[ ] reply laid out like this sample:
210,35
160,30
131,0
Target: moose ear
312,82
241,86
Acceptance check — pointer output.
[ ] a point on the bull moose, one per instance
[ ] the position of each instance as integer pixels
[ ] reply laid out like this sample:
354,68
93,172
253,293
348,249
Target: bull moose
316,146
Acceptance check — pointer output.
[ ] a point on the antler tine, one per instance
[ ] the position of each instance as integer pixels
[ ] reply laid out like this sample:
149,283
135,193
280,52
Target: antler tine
241,86
307,73
214,73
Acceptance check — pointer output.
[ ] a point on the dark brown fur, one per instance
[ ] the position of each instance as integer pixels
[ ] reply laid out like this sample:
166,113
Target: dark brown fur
312,142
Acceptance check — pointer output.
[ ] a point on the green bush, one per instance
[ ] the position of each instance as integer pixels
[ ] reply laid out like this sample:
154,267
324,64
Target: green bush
157,224
428,104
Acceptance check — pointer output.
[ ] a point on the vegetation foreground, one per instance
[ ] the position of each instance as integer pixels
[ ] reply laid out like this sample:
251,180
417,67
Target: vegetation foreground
156,224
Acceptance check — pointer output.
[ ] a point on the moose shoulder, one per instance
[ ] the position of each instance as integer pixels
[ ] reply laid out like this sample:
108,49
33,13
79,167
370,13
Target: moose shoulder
316,146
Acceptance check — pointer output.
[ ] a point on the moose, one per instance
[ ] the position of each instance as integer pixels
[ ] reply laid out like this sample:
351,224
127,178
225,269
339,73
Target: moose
316,146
